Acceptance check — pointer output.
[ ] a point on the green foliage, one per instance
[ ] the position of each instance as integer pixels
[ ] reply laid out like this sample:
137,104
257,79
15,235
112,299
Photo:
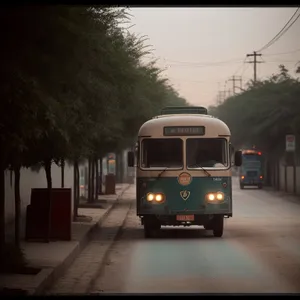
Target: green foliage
264,113
74,85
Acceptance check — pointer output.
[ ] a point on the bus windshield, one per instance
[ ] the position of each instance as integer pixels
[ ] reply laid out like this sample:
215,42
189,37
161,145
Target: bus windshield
162,153
251,160
206,152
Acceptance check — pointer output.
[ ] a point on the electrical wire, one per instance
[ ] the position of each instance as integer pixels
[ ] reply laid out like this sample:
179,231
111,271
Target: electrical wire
282,53
204,63
281,32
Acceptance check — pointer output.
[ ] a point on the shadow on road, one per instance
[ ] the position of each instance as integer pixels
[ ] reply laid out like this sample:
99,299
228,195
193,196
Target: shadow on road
167,233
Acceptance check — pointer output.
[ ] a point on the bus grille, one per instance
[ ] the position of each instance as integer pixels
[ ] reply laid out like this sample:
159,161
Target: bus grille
251,173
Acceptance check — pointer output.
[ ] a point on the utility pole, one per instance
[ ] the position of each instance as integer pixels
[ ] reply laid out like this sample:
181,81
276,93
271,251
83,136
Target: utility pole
234,79
223,93
254,62
218,98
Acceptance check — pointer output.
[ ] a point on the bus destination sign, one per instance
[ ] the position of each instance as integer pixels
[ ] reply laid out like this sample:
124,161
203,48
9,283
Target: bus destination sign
184,130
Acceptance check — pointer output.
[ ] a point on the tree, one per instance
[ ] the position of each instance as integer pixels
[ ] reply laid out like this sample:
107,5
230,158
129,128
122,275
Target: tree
73,88
263,115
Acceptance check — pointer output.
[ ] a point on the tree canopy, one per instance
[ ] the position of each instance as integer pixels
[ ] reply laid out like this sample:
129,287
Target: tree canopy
72,85
72,75
264,113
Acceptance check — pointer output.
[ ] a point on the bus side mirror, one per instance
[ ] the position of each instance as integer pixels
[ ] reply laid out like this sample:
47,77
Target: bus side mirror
130,159
238,158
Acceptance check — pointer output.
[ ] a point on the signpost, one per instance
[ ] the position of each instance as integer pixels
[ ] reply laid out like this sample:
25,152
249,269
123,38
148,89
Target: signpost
290,148
290,143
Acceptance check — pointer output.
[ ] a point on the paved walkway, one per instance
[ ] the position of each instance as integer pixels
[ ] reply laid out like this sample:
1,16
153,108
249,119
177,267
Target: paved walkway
284,195
55,257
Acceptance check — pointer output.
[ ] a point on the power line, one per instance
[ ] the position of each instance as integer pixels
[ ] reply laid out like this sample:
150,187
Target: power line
282,53
204,63
244,69
228,61
241,66
281,32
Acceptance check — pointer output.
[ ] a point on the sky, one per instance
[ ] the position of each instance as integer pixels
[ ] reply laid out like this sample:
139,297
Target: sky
200,49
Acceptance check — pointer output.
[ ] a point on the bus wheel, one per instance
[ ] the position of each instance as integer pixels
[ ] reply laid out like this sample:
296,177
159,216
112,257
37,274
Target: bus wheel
151,228
218,226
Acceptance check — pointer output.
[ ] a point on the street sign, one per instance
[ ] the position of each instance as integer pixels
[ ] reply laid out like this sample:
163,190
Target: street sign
290,143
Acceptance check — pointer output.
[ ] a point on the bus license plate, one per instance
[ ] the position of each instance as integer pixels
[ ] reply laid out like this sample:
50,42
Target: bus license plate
185,217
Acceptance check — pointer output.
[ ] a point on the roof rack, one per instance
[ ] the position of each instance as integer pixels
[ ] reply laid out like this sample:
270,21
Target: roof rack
170,110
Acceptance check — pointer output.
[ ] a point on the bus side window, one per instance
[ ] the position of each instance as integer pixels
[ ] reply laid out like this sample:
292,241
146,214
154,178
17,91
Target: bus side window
144,158
231,153
137,153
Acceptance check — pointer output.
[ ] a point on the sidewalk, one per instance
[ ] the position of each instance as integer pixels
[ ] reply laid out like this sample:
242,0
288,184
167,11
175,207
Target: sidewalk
54,257
281,194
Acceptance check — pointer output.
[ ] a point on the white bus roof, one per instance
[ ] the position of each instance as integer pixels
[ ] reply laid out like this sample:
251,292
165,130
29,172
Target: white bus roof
213,126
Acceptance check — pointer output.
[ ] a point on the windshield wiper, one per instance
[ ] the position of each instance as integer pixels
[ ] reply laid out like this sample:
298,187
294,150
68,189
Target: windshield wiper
163,171
199,166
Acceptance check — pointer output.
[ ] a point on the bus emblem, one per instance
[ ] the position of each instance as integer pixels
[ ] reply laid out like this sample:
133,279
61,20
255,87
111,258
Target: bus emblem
184,178
185,195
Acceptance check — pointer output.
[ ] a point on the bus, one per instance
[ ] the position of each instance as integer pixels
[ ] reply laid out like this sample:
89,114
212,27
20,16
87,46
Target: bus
251,171
183,170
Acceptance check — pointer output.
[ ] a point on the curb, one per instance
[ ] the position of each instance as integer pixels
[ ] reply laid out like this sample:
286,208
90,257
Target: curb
50,275
106,254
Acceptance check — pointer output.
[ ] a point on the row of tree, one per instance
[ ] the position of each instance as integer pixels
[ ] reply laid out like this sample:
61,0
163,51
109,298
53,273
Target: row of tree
264,113
72,87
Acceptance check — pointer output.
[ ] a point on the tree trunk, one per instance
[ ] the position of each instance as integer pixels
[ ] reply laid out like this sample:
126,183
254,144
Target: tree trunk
75,193
17,205
278,169
49,186
62,173
97,177
78,182
100,177
118,167
93,179
2,208
90,182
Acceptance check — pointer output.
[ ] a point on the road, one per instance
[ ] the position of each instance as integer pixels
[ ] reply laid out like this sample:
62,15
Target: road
259,252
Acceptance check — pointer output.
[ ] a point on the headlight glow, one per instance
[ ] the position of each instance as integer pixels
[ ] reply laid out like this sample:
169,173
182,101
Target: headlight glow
158,197
220,196
155,197
211,197
150,197
215,197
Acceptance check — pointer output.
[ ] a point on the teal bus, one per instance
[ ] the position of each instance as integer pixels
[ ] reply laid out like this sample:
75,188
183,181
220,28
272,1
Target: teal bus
183,170
251,173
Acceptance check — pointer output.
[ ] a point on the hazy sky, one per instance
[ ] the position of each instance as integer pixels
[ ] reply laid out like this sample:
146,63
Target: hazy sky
201,48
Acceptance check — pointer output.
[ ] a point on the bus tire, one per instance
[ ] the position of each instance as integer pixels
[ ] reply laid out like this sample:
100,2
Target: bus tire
151,228
218,226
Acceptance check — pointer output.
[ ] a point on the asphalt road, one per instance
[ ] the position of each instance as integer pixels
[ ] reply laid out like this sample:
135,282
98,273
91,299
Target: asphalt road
258,253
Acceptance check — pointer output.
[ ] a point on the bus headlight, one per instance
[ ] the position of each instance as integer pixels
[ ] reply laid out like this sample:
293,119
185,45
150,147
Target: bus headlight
150,197
215,197
157,197
220,196
211,197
